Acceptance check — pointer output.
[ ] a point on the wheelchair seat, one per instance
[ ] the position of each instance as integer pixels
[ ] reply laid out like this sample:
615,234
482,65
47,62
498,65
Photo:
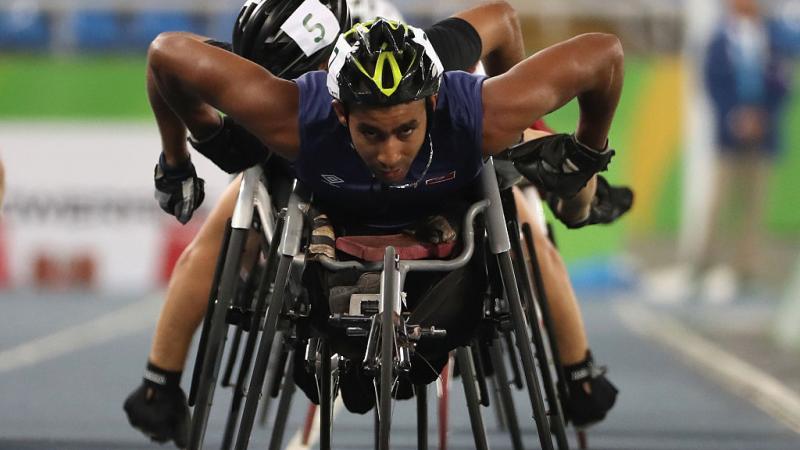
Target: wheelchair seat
372,248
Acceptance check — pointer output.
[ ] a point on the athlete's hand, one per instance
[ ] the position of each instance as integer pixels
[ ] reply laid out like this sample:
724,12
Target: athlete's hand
435,230
179,191
558,163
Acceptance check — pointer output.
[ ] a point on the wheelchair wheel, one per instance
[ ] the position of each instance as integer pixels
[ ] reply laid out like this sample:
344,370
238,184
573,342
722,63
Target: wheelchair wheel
555,389
287,391
504,398
472,392
265,347
212,296
522,339
554,413
256,309
216,335
390,295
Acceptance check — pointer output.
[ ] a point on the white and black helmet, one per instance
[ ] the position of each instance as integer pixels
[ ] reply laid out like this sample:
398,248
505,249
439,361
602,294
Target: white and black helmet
289,37
383,62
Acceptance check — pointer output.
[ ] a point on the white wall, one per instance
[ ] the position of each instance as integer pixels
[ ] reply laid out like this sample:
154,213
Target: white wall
88,186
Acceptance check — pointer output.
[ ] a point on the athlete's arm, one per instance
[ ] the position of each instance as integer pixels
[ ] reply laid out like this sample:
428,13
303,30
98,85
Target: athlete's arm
589,67
189,74
202,121
501,40
488,33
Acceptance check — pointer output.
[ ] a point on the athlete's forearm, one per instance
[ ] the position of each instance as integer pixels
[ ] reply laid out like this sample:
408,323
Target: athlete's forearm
170,127
588,67
598,101
202,123
498,26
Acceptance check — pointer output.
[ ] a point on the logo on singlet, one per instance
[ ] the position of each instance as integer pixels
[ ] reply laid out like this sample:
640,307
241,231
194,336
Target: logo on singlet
444,178
332,180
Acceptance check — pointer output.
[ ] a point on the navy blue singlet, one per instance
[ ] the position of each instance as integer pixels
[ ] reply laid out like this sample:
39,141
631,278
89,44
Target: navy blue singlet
346,189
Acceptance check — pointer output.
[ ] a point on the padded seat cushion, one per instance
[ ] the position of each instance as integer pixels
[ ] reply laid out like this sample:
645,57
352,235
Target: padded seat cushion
372,248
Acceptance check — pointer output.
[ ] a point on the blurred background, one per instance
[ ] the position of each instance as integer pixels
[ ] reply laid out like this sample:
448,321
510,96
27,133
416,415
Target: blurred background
80,228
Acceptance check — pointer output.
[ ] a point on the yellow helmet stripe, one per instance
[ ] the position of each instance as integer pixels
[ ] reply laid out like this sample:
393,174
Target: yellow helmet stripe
394,24
377,77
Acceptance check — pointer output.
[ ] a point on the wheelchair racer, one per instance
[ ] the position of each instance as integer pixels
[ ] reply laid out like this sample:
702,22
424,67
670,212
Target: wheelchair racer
172,376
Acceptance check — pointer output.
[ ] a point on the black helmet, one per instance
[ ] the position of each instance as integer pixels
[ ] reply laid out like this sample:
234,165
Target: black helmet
383,62
269,33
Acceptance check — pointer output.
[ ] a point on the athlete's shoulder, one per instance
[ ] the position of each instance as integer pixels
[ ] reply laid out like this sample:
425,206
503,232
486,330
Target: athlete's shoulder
457,81
312,80
315,100
460,90
460,104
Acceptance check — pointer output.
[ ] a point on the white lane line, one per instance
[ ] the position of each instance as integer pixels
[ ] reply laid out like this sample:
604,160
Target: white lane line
741,378
128,320
296,442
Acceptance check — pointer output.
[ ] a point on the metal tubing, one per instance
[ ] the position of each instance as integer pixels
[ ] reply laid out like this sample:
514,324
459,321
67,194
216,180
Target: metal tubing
325,397
496,228
243,211
461,260
389,302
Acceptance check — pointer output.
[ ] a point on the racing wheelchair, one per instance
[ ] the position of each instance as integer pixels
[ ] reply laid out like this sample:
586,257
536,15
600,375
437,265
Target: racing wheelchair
262,297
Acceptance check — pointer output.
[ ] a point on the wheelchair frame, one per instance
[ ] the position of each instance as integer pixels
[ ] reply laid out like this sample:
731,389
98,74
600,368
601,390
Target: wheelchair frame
274,305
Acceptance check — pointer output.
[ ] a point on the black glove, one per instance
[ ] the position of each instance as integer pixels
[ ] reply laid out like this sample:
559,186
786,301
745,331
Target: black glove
178,189
608,205
232,148
610,202
158,407
585,407
558,163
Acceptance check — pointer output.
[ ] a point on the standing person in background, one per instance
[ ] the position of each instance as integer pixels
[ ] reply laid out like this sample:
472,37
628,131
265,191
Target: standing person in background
747,77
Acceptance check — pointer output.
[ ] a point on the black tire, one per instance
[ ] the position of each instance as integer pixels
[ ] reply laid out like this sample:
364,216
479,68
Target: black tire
288,389
212,297
217,335
544,306
504,396
472,393
264,349
523,340
267,276
554,413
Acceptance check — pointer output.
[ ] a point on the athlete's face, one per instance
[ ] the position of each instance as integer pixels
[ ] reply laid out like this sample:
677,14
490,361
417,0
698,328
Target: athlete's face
387,139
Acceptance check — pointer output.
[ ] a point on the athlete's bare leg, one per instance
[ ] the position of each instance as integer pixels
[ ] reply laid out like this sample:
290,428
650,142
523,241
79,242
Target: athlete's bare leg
566,314
189,286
